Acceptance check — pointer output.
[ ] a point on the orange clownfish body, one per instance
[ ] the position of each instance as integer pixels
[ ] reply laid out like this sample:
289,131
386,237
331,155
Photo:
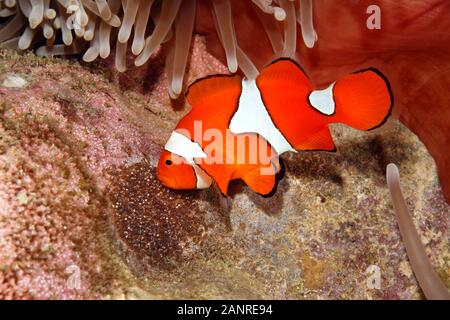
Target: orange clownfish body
237,128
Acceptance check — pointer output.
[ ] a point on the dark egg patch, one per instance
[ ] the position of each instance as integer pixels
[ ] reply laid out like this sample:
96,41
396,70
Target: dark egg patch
155,226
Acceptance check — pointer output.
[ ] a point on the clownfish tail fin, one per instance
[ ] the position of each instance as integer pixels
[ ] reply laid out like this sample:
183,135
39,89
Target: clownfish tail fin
363,99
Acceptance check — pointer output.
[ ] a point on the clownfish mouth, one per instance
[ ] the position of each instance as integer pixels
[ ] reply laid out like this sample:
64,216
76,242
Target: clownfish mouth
166,180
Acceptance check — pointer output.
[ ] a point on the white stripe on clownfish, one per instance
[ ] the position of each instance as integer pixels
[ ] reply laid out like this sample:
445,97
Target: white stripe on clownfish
323,100
203,179
252,117
181,145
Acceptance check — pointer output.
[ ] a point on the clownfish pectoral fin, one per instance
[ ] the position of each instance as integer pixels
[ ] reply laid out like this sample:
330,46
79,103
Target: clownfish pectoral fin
320,141
363,99
220,173
261,179
222,182
214,91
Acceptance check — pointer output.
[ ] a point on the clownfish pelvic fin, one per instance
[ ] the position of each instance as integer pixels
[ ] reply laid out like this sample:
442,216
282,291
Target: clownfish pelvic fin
321,141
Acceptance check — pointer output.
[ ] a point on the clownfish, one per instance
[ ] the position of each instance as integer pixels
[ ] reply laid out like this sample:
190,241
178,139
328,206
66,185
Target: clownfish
238,128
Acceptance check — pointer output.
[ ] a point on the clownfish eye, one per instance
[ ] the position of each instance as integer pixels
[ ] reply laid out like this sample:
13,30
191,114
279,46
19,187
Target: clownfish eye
168,162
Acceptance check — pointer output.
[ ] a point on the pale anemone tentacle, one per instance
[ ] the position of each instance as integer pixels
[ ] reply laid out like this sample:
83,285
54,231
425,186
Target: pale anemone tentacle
130,12
46,7
66,32
94,49
47,25
49,13
141,25
67,3
37,13
245,64
168,13
224,17
104,9
121,56
305,19
61,50
79,32
184,27
57,23
74,18
84,19
121,52
10,3
90,28
104,44
267,6
105,30
26,38
92,7
432,286
271,29
47,30
50,41
169,63
290,28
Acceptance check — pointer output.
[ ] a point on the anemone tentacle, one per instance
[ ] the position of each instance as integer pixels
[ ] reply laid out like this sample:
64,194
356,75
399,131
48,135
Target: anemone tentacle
95,28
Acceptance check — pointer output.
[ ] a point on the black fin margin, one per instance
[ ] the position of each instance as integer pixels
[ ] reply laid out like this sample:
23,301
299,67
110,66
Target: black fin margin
279,176
209,77
389,88
291,60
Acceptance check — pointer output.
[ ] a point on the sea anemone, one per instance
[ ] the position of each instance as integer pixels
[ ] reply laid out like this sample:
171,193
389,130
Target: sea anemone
430,283
92,27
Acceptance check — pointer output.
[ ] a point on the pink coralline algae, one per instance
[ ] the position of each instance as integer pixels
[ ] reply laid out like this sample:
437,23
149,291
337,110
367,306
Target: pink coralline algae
61,138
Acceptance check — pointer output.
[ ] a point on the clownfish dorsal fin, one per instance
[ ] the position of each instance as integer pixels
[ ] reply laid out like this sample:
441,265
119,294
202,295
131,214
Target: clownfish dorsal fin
320,141
261,180
214,91
281,72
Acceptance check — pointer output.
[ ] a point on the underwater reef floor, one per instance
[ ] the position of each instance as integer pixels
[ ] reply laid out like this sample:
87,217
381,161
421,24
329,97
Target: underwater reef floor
83,216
